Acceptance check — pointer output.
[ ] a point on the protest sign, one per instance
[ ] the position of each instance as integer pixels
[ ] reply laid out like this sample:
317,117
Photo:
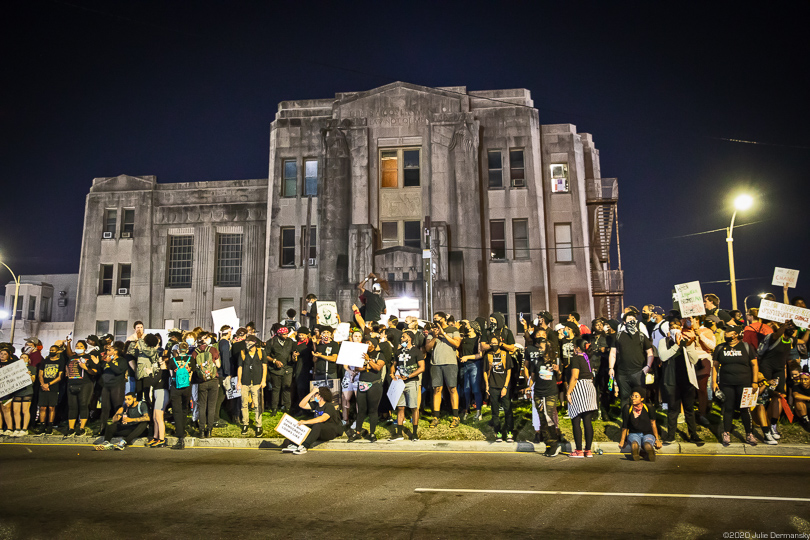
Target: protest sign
351,354
327,313
224,316
13,377
342,332
690,299
785,276
749,398
233,392
395,392
290,429
774,311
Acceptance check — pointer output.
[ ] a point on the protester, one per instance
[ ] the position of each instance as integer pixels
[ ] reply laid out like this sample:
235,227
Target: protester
279,352
6,358
350,377
544,372
373,303
679,379
773,355
443,343
206,375
113,374
801,400
369,392
735,363
51,372
326,424
497,376
712,304
581,399
252,378
631,358
302,371
130,421
21,400
79,370
410,364
181,366
161,393
471,366
225,372
639,429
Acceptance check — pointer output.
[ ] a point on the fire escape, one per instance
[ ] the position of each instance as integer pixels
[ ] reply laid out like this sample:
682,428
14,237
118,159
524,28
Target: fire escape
602,195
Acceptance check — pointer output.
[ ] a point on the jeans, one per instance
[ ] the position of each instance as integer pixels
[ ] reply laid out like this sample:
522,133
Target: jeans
640,438
207,402
254,390
281,382
130,432
471,381
180,399
497,402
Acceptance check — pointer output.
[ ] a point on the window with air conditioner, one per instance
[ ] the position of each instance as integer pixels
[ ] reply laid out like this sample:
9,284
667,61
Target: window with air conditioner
128,224
559,178
110,223
311,256
124,278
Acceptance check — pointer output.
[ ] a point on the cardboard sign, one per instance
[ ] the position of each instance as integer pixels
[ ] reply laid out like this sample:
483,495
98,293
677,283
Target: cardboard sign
233,392
395,392
342,332
690,298
289,428
14,377
351,354
774,311
224,316
328,314
749,398
785,276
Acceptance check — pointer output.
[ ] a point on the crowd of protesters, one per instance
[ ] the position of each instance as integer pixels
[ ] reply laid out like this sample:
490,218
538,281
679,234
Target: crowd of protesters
648,360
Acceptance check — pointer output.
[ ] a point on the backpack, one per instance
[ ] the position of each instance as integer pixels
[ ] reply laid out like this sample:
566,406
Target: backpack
766,345
206,367
181,376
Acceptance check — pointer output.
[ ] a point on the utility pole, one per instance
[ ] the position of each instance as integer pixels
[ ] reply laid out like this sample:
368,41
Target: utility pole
307,237
427,269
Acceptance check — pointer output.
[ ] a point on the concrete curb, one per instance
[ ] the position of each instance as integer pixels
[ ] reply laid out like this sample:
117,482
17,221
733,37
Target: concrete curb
736,449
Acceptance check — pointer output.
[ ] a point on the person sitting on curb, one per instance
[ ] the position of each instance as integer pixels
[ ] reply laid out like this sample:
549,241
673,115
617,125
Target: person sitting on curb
130,421
801,400
325,426
638,428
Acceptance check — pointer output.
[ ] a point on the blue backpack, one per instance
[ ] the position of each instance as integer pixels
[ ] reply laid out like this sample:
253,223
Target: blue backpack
182,376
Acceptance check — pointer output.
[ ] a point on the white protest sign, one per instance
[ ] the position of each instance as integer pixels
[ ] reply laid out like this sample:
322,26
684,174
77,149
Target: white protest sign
690,299
327,313
168,324
233,392
225,316
342,332
13,377
351,353
774,311
749,398
395,392
785,276
290,429
164,335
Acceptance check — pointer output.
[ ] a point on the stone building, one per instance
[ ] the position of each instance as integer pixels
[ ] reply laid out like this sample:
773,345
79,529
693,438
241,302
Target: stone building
46,305
403,180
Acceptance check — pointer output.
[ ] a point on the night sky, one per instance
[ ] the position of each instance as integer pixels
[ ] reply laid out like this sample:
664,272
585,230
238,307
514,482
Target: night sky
93,89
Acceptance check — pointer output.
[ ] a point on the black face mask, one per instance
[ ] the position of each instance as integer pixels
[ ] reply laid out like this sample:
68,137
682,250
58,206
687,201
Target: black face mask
645,316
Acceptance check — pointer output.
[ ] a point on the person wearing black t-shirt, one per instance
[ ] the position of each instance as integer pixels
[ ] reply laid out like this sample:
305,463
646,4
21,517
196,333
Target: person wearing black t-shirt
79,370
369,391
638,428
801,399
735,363
497,376
325,426
251,379
544,373
113,373
773,356
408,367
280,361
631,358
325,356
130,421
52,370
302,372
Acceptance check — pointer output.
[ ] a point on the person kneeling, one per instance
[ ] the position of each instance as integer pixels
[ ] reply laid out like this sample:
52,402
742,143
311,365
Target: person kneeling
130,421
639,428
324,427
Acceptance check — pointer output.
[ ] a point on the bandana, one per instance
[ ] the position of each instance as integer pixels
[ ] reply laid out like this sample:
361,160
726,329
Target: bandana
282,331
632,327
637,409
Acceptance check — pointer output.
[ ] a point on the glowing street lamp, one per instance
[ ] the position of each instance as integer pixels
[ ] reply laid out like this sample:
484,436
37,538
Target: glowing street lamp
742,202
16,296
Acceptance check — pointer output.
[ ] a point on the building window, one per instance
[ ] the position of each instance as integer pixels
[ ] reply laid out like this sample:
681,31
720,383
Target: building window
32,308
45,309
181,255
124,278
523,304
102,328
288,246
120,330
105,279
392,176
128,226
559,178
517,170
562,242
110,220
520,238
389,232
311,177
229,260
288,188
19,313
500,304
185,325
495,166
311,257
283,305
566,304
412,234
497,239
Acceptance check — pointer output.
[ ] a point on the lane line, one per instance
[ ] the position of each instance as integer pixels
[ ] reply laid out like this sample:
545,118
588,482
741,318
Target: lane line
614,494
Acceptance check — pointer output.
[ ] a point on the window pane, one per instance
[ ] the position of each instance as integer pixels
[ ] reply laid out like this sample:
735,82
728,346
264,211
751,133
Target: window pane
566,304
389,230
102,328
497,240
287,246
311,181
229,260
106,279
411,234
32,307
180,259
562,239
516,168
120,332
559,178
410,160
523,304
520,238
495,168
313,245
110,219
290,178
500,303
389,168
129,221
124,276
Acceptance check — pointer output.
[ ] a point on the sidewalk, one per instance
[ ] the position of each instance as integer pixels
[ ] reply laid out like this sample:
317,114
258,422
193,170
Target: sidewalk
736,449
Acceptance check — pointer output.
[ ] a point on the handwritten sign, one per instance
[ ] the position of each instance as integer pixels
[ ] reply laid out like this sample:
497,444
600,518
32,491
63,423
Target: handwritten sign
327,313
224,316
342,332
14,377
785,276
690,298
749,398
290,429
395,392
351,354
233,391
774,311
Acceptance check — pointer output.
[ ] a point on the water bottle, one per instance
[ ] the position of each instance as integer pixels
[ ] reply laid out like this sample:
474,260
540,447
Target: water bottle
610,385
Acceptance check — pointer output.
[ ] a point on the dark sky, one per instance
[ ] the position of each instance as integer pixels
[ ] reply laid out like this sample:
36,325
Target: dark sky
186,91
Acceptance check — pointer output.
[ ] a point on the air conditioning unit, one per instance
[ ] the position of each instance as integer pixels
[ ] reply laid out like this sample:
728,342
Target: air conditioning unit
126,235
312,262
123,292
106,235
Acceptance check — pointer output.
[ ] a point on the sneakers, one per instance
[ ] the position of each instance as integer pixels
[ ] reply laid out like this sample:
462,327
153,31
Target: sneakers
434,422
259,431
397,437
372,438
68,434
179,445
650,449
160,444
588,453
498,437
353,436
300,450
769,439
122,445
289,449
750,439
244,429
576,454
538,437
477,416
454,422
726,438
553,450
7,433
106,445
775,432
634,452
414,438
703,421
510,437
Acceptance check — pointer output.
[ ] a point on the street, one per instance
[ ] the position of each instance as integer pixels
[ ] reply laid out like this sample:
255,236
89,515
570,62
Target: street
74,492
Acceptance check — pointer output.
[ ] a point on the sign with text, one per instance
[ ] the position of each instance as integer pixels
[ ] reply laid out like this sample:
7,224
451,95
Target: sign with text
690,299
327,313
224,316
395,392
785,276
233,392
342,332
351,354
14,377
749,398
290,429
774,311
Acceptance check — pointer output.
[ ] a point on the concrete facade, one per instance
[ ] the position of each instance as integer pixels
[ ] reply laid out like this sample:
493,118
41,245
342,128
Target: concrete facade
46,307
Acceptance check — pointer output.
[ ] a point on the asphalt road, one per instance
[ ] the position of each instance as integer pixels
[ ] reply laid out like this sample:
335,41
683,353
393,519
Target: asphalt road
74,492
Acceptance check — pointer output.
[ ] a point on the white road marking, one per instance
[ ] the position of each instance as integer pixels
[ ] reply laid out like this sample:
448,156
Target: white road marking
757,498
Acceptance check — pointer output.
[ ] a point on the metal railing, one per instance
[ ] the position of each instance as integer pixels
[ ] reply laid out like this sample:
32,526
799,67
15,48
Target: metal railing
607,281
601,190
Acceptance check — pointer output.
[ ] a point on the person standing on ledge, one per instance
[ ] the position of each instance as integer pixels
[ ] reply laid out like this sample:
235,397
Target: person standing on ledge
373,304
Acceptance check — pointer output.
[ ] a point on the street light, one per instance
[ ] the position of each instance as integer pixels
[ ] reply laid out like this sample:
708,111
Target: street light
742,202
16,296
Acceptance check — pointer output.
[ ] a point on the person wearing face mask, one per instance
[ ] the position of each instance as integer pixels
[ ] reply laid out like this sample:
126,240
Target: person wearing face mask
496,377
206,369
22,397
325,356
408,367
252,378
631,358
471,362
6,358
733,368
224,374
773,353
678,377
349,382
801,399
113,373
325,425
79,370
279,352
369,391
443,343
52,372
181,365
302,354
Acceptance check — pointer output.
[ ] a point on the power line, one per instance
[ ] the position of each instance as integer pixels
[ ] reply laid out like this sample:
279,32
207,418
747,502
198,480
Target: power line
715,230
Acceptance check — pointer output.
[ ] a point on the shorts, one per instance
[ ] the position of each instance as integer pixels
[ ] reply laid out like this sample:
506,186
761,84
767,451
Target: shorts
161,397
410,396
349,382
447,374
770,374
48,398
639,438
